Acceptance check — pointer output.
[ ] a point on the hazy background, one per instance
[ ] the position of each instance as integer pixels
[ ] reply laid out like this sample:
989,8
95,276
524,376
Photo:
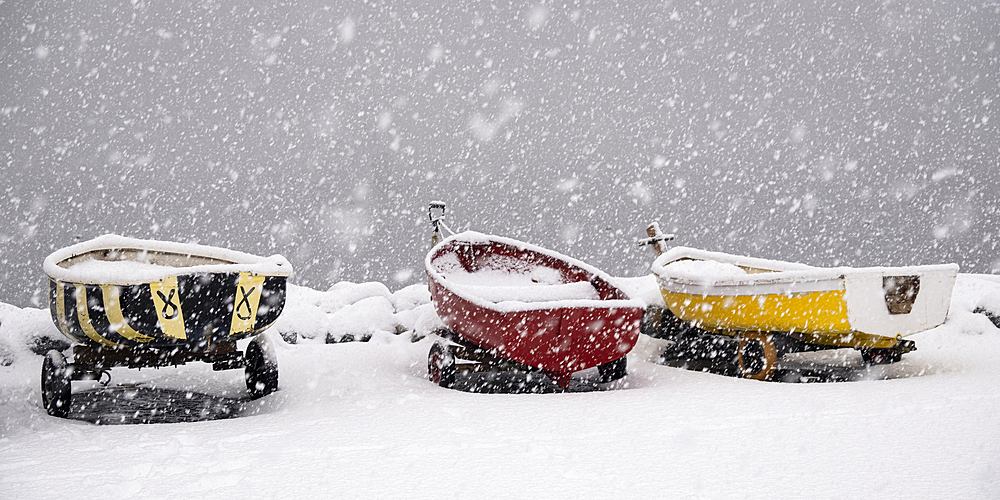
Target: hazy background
833,133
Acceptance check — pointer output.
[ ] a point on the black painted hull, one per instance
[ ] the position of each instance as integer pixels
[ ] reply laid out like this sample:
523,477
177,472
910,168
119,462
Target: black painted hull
191,311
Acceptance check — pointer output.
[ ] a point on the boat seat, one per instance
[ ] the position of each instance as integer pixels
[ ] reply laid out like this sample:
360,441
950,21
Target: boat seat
579,290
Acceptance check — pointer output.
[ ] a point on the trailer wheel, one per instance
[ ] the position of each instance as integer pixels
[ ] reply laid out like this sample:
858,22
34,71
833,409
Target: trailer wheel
757,356
261,373
56,384
613,370
876,356
441,365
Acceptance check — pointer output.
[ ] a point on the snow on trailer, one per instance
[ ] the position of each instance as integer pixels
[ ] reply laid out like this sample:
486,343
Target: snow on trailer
762,309
990,307
145,303
509,304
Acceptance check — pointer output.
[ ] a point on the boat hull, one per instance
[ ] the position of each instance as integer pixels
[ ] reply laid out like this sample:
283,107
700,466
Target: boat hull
196,310
115,292
862,308
558,336
562,340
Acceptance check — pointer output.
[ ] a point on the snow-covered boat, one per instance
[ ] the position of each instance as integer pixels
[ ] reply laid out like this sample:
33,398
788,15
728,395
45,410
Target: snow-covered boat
504,299
870,309
142,303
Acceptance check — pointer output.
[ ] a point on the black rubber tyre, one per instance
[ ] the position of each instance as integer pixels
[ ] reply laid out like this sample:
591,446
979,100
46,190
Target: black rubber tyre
876,356
757,356
261,368
441,365
613,370
56,384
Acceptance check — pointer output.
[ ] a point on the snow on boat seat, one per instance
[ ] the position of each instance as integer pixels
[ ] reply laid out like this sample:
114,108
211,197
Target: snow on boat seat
501,279
580,290
706,268
113,259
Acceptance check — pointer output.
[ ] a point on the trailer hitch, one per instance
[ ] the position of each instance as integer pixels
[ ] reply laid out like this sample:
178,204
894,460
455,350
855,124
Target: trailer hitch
887,355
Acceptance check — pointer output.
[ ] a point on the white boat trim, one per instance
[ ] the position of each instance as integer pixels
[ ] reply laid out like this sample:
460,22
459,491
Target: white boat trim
222,260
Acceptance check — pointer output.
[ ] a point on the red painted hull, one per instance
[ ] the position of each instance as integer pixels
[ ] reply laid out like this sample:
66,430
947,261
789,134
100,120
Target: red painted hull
557,336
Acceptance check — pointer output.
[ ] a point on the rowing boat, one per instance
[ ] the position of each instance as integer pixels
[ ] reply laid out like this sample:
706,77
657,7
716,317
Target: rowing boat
529,305
847,307
114,291
146,303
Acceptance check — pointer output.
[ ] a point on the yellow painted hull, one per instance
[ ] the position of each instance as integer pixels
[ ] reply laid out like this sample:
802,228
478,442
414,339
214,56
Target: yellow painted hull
815,317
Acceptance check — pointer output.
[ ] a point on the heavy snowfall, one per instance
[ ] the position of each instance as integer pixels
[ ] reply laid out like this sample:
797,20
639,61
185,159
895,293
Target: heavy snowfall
859,133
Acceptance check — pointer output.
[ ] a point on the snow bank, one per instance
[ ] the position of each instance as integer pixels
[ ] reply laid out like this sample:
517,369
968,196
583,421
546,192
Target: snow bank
643,288
351,311
26,332
362,420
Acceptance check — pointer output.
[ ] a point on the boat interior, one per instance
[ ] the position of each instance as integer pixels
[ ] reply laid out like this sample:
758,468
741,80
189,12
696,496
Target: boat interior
145,256
499,272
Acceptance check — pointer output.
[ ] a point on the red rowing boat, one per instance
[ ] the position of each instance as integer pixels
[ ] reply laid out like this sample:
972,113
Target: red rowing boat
524,304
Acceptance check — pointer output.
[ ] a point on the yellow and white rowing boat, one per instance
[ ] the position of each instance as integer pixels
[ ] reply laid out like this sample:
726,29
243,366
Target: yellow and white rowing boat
863,308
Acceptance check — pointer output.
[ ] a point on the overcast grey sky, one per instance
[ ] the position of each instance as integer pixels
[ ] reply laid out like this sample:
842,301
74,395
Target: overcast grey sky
833,133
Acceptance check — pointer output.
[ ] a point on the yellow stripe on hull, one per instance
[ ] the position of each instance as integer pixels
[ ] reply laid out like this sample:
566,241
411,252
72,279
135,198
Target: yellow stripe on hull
113,309
813,317
84,318
61,312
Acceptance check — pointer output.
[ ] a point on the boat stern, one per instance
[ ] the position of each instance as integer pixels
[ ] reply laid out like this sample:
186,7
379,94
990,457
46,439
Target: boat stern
596,336
899,301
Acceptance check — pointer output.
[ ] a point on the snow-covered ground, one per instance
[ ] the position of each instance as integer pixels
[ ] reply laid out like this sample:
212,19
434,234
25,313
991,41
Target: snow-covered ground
360,420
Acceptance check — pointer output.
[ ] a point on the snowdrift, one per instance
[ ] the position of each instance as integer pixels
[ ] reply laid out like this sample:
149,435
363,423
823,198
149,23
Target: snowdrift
362,420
